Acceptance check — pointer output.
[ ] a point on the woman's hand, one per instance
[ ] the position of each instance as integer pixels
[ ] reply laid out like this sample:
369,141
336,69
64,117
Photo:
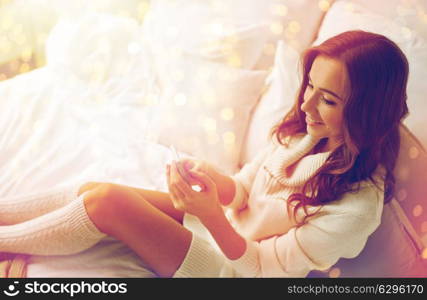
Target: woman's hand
197,166
203,204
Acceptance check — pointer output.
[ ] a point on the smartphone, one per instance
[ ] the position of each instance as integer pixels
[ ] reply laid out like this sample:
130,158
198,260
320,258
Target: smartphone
175,155
181,170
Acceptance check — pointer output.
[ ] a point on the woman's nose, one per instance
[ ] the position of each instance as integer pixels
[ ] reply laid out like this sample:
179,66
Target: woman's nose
310,103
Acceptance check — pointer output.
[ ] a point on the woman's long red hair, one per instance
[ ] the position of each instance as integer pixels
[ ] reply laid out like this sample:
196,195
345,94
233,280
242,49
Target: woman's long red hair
378,74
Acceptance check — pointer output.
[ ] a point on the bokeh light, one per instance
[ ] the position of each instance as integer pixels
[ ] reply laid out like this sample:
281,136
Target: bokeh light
276,28
417,210
334,273
402,194
279,9
227,113
413,152
229,138
234,60
324,5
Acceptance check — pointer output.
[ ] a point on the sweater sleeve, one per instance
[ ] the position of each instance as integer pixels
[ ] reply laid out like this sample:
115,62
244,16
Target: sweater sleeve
339,231
244,179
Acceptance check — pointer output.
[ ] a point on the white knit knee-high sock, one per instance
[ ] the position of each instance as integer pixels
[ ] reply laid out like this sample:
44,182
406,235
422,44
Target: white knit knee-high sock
64,231
17,209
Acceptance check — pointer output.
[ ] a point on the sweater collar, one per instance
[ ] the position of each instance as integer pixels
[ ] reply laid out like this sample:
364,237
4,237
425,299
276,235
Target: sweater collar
284,157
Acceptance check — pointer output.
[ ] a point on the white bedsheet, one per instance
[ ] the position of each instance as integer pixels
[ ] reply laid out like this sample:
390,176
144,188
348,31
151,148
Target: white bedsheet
54,130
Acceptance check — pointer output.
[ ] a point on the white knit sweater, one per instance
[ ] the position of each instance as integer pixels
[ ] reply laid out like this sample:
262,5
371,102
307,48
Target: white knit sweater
276,247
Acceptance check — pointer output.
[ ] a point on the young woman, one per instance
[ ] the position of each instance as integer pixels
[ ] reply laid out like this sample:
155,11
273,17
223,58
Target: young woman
312,197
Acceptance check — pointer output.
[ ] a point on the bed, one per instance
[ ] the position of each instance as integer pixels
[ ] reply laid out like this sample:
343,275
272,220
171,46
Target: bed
115,93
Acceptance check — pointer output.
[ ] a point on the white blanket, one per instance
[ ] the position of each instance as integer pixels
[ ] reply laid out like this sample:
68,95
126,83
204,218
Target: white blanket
58,129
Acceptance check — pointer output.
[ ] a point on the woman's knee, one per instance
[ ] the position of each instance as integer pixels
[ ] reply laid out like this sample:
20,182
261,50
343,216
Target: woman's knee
88,186
102,204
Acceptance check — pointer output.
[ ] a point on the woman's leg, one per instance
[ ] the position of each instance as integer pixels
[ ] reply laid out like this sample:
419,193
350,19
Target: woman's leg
140,219
66,230
120,211
17,209
160,200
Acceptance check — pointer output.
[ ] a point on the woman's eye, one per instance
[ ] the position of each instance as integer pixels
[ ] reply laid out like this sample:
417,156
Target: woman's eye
328,102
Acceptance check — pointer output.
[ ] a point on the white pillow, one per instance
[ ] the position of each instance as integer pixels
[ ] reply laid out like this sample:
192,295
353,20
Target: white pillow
95,47
412,14
106,54
348,15
277,100
205,112
242,33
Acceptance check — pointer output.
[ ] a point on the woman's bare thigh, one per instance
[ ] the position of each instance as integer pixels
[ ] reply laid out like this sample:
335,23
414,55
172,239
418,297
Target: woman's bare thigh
128,215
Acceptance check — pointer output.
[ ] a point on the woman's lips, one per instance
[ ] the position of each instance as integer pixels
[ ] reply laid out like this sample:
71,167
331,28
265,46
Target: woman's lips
312,122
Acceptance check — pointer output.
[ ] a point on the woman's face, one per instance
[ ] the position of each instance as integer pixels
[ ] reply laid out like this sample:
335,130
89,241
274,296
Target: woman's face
324,99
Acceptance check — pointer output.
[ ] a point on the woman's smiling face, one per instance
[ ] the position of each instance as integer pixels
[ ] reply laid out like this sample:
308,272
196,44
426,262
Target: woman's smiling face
324,99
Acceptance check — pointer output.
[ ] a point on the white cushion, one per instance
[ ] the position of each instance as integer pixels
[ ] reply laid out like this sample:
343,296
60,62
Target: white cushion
278,98
348,15
206,112
411,14
242,33
95,47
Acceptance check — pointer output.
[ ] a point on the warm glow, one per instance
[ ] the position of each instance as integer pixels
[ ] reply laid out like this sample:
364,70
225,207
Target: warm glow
180,99
324,5
294,27
178,75
414,152
217,28
143,8
229,138
417,211
209,124
225,74
402,173
349,7
406,32
134,48
234,60
402,194
269,49
227,113
334,273
23,68
279,9
212,138
276,28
